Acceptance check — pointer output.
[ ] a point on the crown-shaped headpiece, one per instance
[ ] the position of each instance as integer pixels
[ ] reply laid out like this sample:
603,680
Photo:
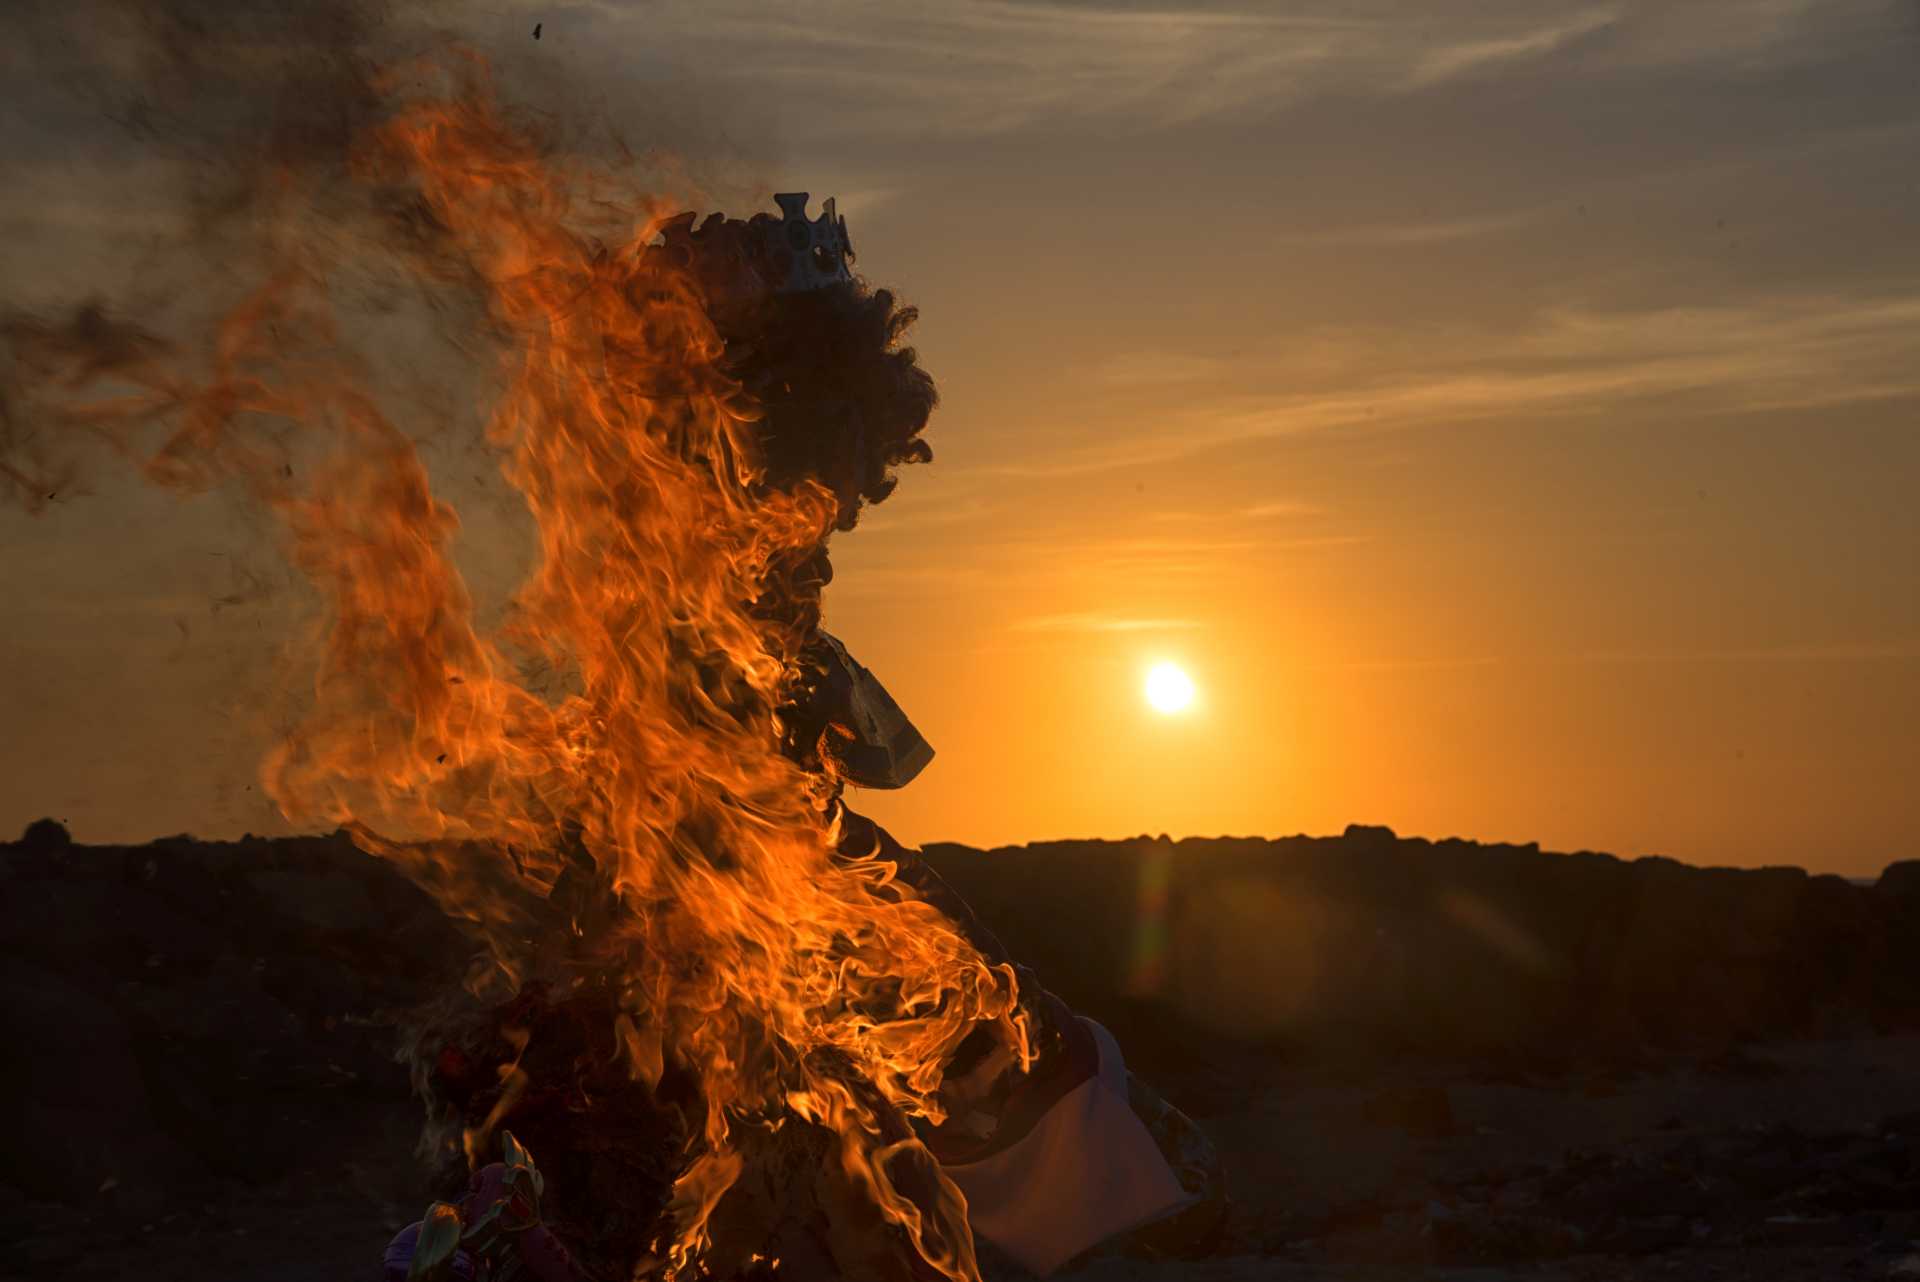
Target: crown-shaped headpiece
740,260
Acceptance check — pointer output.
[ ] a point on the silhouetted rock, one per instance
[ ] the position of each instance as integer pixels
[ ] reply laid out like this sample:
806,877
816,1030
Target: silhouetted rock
45,835
1901,879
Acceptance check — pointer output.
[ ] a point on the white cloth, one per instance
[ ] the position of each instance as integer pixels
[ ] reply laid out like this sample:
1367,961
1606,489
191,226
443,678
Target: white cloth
1086,1171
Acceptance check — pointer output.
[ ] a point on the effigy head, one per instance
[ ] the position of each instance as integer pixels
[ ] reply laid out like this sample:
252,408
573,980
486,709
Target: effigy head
842,396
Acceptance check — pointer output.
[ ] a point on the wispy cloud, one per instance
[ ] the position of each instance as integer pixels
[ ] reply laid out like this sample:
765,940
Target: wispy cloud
1469,56
992,66
1791,652
1791,352
1175,563
1278,509
1827,652
1414,664
857,202
1095,622
1158,368
897,515
1424,232
901,582
988,66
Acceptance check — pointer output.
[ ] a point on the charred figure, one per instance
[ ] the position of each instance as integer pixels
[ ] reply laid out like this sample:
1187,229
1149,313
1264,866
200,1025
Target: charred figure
1055,1159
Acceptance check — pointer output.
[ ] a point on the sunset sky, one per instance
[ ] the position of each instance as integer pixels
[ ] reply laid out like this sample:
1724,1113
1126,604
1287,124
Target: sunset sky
1508,415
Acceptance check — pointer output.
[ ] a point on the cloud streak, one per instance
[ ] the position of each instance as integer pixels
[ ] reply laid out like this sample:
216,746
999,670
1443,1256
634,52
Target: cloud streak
1796,352
983,67
1104,623
1471,56
1829,652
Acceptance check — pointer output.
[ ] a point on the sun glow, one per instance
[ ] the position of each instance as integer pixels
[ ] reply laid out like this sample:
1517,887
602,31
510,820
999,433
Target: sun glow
1169,689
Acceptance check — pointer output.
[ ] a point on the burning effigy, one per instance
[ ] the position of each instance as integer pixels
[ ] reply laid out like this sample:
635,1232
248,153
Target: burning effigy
717,1023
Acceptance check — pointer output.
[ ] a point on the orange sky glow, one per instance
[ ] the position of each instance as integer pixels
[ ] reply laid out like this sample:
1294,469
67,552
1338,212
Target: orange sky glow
1506,415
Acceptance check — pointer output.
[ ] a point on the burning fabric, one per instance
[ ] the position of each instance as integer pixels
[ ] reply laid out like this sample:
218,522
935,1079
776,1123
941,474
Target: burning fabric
739,1027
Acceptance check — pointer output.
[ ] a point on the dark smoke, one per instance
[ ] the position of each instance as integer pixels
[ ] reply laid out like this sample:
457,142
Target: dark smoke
225,95
182,126
245,121
241,118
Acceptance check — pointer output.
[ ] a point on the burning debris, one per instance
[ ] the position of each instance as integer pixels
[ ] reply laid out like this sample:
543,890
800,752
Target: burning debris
737,1024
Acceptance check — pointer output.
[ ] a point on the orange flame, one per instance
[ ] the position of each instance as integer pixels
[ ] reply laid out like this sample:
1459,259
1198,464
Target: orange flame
790,982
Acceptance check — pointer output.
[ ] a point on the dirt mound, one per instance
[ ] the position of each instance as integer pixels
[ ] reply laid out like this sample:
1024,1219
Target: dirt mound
192,1015
1373,944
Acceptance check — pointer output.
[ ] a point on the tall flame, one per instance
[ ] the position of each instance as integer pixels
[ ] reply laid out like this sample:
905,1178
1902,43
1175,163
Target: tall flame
788,981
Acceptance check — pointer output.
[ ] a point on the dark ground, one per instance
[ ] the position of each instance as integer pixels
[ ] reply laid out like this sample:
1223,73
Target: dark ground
1419,1060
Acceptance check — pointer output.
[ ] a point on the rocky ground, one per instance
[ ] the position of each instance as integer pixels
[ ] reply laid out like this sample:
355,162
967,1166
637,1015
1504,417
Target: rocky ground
1797,1160
1419,1060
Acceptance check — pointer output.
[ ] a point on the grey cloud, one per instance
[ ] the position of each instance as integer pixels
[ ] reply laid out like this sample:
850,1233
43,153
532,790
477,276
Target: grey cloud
991,66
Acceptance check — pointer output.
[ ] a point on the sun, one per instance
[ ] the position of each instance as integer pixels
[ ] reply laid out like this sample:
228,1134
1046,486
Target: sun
1169,689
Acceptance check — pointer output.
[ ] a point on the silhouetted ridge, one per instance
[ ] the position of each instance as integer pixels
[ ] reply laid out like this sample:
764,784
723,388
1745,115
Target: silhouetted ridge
1373,943
211,1015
